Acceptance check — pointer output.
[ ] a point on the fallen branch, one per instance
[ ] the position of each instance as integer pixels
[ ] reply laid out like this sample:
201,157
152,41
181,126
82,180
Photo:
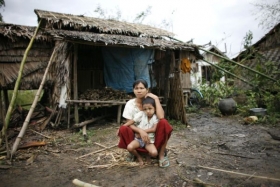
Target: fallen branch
46,122
234,155
243,174
78,125
100,166
113,157
32,144
83,184
40,134
96,151
103,146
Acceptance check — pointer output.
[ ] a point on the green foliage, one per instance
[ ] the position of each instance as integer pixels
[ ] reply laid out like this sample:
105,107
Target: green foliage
2,4
248,40
214,92
177,125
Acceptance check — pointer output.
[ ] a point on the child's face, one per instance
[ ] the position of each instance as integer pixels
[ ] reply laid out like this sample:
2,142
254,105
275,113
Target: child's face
149,109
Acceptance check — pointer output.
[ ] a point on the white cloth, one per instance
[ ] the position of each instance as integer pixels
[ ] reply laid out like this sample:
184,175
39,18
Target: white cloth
130,109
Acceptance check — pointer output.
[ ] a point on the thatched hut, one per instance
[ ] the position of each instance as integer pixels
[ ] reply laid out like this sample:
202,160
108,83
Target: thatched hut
93,53
264,54
14,40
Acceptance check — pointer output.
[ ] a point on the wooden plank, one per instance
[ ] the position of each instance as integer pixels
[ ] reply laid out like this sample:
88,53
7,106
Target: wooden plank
95,101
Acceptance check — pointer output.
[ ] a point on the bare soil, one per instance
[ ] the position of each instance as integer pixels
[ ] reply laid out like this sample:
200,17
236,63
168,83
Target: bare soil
219,151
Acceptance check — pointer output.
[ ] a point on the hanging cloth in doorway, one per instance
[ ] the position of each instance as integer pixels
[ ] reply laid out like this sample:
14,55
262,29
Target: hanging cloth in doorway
122,66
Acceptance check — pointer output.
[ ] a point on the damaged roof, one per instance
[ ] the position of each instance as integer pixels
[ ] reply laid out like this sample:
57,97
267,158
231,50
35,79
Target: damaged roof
109,26
78,28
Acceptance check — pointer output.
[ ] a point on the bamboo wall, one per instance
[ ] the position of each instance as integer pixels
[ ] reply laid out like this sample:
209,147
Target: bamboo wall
11,54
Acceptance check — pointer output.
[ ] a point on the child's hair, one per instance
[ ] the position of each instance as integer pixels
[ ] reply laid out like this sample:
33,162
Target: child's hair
149,100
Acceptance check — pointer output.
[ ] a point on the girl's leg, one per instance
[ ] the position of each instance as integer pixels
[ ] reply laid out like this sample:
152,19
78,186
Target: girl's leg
162,135
151,148
132,149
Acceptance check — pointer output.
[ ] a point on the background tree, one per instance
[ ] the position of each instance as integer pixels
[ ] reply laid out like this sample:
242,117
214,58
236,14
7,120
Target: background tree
140,17
268,12
2,4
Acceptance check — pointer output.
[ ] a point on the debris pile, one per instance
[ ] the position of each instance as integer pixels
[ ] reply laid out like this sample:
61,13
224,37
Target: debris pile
104,94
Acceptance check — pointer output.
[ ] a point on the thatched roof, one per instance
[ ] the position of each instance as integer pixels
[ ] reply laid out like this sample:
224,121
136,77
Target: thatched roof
97,25
15,32
95,31
13,42
112,39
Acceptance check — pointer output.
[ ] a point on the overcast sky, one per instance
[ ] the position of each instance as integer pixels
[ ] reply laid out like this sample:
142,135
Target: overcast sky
219,21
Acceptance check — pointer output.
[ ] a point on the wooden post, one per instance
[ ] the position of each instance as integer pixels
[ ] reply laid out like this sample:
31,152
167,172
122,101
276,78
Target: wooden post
75,82
119,114
68,115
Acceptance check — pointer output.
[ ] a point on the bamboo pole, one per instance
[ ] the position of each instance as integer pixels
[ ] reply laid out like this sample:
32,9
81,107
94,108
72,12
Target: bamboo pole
15,92
96,151
238,173
77,182
27,119
225,58
228,73
239,64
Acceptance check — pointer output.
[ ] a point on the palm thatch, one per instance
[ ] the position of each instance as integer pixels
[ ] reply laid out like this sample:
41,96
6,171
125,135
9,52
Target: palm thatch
16,32
14,40
82,23
113,39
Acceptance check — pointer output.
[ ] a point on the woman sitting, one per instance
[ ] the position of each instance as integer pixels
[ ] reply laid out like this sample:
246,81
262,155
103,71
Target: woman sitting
163,130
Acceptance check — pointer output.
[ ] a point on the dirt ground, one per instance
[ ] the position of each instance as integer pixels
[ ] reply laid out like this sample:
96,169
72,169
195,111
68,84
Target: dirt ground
219,151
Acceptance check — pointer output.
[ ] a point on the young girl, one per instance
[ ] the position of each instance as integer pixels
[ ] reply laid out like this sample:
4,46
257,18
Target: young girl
146,120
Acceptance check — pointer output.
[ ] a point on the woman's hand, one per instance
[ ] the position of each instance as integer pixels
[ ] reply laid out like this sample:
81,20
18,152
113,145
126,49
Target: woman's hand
152,96
144,136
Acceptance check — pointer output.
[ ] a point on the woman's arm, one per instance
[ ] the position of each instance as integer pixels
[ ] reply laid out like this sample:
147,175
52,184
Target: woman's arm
159,109
143,134
152,129
129,122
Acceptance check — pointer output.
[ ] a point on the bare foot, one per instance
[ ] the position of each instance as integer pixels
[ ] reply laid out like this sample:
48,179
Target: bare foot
148,160
140,161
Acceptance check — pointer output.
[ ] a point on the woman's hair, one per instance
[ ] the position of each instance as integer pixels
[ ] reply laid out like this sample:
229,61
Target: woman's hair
149,100
140,81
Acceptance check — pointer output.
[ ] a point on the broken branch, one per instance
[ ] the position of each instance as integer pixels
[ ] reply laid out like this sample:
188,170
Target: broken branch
77,125
83,184
243,174
96,151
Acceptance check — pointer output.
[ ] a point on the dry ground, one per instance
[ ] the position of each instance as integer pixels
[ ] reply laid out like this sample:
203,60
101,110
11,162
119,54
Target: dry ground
220,151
